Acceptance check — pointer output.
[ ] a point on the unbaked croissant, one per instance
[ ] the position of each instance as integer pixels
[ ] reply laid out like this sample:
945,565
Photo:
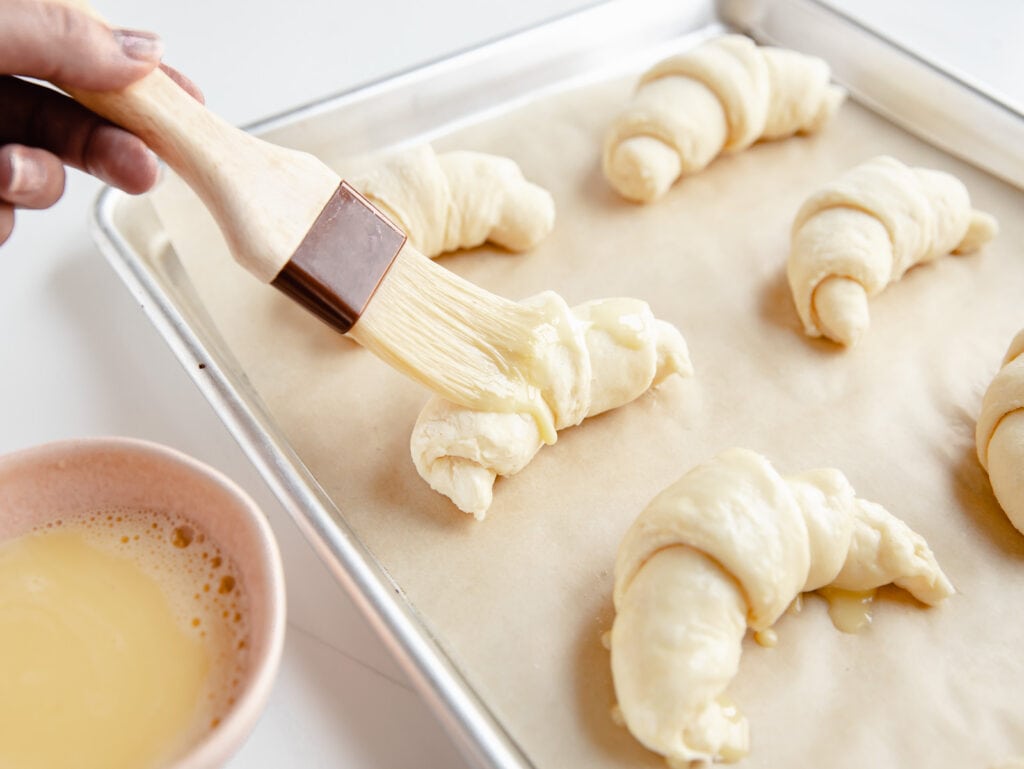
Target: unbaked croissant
722,96
730,545
1000,433
602,355
454,200
861,232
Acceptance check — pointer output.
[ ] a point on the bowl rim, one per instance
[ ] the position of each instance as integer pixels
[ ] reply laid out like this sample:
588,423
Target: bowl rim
216,746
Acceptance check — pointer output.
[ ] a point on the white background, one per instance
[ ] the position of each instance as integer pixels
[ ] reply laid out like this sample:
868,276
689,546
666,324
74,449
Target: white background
78,357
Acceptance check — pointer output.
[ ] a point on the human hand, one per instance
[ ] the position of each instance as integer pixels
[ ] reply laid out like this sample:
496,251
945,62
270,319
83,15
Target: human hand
42,130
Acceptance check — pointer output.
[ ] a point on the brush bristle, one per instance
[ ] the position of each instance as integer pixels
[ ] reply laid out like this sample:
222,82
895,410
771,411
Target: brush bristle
454,337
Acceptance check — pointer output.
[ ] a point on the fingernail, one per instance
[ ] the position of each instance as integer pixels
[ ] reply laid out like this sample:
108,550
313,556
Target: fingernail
139,45
27,175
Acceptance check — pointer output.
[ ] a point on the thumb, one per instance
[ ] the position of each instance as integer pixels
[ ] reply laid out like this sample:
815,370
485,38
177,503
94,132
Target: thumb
51,41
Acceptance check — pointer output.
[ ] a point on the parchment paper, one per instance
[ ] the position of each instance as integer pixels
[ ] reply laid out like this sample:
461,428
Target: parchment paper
520,600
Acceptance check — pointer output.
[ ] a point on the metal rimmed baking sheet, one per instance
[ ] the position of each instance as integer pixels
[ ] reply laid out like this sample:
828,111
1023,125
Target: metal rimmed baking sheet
506,82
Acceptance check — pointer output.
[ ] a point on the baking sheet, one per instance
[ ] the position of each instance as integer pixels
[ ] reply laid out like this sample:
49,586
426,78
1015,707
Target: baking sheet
520,600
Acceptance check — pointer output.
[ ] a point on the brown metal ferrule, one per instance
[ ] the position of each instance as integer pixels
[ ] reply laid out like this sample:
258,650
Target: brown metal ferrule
343,258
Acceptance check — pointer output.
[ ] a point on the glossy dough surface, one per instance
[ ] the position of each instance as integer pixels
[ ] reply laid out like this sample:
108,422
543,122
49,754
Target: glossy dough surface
603,354
730,546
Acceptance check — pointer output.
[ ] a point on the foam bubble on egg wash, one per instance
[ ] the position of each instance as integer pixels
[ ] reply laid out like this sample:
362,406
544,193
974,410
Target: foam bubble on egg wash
135,623
201,584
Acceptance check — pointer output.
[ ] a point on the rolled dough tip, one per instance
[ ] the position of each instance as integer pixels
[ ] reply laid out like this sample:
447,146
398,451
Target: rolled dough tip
944,589
981,229
680,364
469,485
528,218
643,168
835,95
834,98
841,307
673,354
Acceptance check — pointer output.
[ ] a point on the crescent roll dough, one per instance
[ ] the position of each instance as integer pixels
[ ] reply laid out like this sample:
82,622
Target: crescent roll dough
606,353
730,545
722,96
454,200
862,231
1000,433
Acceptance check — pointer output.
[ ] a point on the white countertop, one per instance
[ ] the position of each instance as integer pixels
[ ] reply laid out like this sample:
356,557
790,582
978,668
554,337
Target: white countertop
79,357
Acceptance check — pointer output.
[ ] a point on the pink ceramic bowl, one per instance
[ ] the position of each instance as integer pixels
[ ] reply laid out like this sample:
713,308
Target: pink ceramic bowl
62,479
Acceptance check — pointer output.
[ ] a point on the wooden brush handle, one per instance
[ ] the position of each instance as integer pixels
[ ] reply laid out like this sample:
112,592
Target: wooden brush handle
263,197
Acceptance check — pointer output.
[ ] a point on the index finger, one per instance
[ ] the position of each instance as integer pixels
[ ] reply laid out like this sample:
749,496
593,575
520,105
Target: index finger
51,41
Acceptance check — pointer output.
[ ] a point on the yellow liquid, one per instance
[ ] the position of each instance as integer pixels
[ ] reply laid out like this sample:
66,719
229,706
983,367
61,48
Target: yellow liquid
622,319
99,667
850,610
767,638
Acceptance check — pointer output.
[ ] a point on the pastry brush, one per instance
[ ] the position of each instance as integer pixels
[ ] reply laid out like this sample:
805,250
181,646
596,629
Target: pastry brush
293,223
